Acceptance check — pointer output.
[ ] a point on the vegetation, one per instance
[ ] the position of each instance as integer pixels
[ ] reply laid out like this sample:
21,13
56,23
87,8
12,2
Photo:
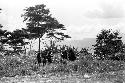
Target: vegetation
16,39
108,53
39,21
108,43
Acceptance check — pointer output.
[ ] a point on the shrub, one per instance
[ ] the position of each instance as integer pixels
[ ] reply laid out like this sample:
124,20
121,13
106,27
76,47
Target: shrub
18,65
69,53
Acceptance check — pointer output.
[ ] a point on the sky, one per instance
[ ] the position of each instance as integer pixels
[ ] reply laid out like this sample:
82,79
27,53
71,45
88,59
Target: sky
82,18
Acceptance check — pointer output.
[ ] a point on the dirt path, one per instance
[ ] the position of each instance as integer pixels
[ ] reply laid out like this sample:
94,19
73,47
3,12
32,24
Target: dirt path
52,79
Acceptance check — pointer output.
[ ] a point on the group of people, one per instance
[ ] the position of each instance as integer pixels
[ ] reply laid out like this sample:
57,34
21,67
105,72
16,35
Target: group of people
46,56
69,55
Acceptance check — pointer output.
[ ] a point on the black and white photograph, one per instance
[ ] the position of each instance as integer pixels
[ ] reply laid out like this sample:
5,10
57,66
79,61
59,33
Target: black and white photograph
62,41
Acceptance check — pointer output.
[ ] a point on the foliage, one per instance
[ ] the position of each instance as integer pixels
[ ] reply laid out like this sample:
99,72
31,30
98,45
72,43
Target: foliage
2,37
107,44
69,53
52,46
26,65
39,21
16,39
13,65
85,55
84,50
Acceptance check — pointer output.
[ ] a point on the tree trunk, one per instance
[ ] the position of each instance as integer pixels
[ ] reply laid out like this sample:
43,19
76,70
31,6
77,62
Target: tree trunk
24,49
30,47
39,44
39,38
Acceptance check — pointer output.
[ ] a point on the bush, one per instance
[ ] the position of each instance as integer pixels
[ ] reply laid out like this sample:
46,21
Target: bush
69,53
108,66
95,66
13,65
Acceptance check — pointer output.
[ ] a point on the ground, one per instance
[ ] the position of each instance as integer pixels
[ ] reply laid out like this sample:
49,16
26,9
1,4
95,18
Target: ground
110,77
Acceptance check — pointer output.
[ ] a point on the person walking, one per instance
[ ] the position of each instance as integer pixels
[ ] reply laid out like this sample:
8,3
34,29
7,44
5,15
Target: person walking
39,59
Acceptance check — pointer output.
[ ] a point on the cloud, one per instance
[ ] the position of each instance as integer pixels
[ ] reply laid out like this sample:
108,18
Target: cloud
107,11
91,30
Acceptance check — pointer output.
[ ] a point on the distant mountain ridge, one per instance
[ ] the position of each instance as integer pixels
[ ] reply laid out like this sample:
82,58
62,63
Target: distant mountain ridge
85,43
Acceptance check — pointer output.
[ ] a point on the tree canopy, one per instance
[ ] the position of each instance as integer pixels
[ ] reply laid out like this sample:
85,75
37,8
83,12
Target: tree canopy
108,43
39,22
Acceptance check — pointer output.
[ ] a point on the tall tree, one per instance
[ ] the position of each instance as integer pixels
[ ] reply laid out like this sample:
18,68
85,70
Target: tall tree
108,43
39,22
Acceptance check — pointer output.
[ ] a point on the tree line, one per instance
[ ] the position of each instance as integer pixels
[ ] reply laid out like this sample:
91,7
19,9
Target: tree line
39,22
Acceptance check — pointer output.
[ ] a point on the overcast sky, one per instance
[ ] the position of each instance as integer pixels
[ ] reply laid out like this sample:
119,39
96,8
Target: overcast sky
82,18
